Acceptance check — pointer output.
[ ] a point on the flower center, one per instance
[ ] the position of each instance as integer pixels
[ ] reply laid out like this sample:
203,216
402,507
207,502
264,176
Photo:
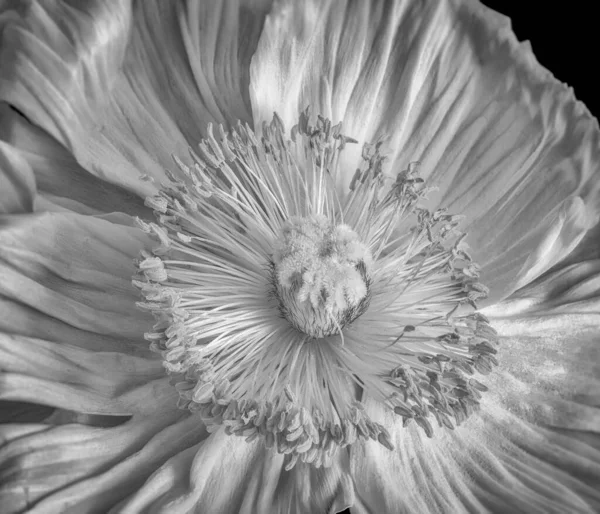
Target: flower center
321,275
261,255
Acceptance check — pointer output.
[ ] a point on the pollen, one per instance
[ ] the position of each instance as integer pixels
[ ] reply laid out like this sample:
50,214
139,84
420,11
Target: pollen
281,301
321,273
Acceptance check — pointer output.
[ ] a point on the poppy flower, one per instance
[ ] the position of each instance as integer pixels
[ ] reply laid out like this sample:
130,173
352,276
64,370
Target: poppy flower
293,257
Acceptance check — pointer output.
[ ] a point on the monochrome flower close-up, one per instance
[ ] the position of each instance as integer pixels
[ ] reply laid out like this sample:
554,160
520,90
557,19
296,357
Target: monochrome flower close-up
282,256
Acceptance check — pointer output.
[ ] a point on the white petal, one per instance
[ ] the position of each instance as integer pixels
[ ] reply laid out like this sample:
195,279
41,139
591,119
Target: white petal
446,84
571,286
85,469
73,268
534,446
72,378
71,334
59,181
226,474
17,182
123,88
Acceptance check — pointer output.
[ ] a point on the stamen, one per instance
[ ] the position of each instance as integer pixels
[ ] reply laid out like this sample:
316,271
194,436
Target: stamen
280,300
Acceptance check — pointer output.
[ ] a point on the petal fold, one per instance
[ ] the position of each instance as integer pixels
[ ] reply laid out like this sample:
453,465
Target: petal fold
17,182
76,468
76,269
72,378
71,335
571,286
227,474
58,180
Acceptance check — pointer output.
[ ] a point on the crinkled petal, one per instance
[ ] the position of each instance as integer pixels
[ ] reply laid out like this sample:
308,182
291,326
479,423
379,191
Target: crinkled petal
58,61
122,87
572,286
226,474
76,468
21,319
27,412
533,448
42,167
72,378
17,182
76,269
446,84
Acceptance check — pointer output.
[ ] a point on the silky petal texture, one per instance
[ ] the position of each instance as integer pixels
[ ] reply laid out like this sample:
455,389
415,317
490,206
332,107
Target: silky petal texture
50,172
26,412
67,377
76,269
448,85
81,469
72,274
97,78
20,319
226,474
572,286
533,448
66,296
17,182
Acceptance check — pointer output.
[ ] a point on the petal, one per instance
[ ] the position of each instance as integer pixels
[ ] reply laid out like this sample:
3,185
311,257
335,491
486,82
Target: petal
572,286
24,412
74,268
17,182
28,321
55,174
211,478
77,468
533,448
66,293
73,378
227,474
448,85
123,88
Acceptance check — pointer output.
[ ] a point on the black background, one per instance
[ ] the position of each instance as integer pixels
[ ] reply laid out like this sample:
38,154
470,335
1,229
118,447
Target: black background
565,39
